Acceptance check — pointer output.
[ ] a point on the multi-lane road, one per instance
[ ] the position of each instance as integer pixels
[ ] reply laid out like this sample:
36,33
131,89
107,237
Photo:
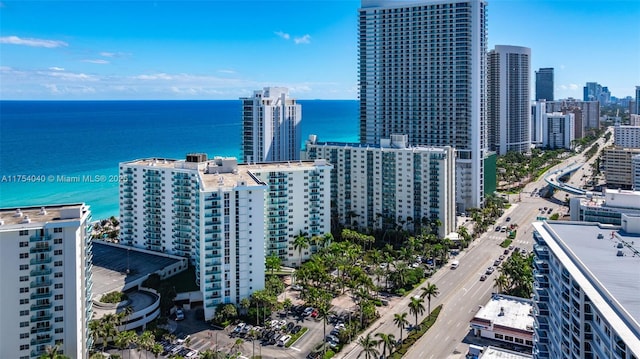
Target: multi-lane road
461,291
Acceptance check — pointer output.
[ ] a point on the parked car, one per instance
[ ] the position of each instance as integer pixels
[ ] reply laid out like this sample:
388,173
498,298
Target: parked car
489,270
307,312
496,262
283,340
314,313
290,326
506,251
179,314
508,219
296,329
483,278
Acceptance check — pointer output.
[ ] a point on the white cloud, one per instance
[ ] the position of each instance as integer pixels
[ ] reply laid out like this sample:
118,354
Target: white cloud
573,87
15,40
283,35
225,71
159,76
96,61
107,54
302,40
69,76
55,68
562,67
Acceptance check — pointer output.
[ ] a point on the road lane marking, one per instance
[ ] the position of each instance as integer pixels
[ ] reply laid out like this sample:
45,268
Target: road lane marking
294,348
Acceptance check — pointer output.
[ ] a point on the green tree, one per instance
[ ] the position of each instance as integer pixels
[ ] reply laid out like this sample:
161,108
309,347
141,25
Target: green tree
429,291
125,339
273,263
416,307
369,347
388,342
51,352
300,243
400,320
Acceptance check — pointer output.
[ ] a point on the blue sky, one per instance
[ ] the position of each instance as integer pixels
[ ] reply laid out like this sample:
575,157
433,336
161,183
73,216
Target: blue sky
227,49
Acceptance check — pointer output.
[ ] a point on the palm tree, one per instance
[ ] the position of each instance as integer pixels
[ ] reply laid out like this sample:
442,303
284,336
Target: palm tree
146,341
156,349
368,345
416,307
323,313
273,263
400,320
300,242
51,352
388,341
429,291
501,282
236,345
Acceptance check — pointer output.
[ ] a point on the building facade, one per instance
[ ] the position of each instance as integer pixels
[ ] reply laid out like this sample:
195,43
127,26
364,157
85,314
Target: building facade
46,281
557,130
544,84
508,84
593,91
506,319
606,208
422,72
271,126
590,111
538,110
389,184
635,170
223,216
586,290
626,136
618,166
637,102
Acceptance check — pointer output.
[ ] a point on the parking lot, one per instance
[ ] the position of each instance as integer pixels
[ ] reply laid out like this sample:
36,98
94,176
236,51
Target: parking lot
195,336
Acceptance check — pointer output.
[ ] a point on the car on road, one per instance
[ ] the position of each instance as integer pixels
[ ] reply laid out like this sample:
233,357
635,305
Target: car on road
179,314
506,251
489,270
508,219
496,262
497,228
455,264
483,277
501,257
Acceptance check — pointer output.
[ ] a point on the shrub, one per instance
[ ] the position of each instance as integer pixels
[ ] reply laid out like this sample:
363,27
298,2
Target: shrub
113,297
295,337
506,243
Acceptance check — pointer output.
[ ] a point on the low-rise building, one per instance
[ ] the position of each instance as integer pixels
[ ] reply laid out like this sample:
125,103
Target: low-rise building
606,208
507,319
626,136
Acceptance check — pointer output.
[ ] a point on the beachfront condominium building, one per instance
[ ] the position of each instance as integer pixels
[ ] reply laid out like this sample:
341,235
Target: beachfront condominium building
508,88
271,126
557,130
223,216
544,84
46,281
618,166
634,120
626,136
422,72
635,170
393,183
586,290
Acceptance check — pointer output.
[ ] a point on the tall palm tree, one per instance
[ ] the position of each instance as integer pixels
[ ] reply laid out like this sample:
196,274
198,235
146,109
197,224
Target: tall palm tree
146,341
429,291
416,307
323,313
501,282
51,352
388,341
400,320
369,347
299,243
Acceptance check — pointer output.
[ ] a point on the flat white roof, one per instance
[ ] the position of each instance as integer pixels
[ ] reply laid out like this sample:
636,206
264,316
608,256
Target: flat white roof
612,282
508,311
37,216
499,353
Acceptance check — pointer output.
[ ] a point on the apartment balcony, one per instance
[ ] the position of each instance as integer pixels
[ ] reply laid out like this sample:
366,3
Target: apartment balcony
212,288
44,260
38,238
35,330
40,249
41,306
41,340
212,271
41,317
41,283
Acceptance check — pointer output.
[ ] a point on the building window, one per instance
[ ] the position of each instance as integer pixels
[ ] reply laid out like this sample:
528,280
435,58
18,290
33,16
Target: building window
24,290
24,233
57,275
58,286
57,252
24,267
24,255
508,338
57,230
59,319
24,335
498,336
58,308
24,244
24,278
24,301
57,241
24,313
59,330
57,263
24,347
24,324
58,297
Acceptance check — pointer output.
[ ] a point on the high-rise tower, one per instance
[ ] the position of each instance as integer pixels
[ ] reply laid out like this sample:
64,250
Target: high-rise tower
422,73
508,84
544,84
271,126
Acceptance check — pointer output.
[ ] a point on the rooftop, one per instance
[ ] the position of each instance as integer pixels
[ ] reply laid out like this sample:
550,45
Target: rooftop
508,311
594,249
27,217
111,261
498,353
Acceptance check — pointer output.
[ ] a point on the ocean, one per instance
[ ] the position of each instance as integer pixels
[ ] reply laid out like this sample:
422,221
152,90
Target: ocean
56,152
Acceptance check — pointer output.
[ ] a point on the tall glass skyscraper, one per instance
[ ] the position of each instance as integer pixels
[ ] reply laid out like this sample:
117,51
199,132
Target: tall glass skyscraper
544,84
509,86
422,73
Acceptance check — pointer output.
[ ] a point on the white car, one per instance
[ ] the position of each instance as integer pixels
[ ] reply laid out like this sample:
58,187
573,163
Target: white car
307,311
283,340
179,314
